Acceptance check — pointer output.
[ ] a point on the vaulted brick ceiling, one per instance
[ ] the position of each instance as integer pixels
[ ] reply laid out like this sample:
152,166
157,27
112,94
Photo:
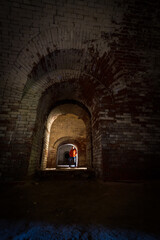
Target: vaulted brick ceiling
104,54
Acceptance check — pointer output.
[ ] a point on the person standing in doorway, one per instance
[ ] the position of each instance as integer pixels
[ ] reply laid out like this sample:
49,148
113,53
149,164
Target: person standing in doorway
73,154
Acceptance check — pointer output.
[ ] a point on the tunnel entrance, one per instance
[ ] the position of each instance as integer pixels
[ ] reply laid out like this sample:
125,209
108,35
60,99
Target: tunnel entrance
63,156
66,155
68,125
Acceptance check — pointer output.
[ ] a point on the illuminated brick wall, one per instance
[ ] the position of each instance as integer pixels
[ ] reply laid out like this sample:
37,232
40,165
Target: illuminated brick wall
65,128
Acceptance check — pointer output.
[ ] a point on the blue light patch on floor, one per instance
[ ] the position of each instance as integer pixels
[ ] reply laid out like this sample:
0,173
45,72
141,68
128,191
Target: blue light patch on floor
41,231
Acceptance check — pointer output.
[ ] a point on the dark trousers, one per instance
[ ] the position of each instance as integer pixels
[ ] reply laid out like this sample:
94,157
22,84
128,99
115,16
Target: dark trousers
72,161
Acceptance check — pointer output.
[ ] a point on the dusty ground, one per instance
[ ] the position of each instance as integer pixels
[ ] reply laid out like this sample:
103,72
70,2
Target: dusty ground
81,203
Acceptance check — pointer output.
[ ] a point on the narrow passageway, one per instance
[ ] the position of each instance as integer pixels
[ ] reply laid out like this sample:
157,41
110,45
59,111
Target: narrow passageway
68,125
65,156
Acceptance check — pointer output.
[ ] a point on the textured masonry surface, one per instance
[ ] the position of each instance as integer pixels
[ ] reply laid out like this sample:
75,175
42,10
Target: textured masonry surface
102,54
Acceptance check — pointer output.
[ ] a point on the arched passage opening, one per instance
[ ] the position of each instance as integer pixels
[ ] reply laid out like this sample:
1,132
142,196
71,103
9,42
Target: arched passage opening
63,156
67,125
49,107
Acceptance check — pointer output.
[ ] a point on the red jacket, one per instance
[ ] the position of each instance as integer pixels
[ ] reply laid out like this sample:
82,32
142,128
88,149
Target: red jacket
73,153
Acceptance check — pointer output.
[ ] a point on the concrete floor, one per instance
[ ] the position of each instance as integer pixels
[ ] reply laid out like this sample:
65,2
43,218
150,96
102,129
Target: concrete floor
122,210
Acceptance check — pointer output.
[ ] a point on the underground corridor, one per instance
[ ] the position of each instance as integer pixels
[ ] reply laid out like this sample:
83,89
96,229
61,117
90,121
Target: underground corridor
64,156
68,126
79,120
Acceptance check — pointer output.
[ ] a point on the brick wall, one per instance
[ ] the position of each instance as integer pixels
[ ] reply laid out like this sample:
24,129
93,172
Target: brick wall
68,128
107,53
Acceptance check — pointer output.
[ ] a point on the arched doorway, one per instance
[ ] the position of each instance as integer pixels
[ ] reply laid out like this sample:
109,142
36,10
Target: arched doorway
63,157
67,125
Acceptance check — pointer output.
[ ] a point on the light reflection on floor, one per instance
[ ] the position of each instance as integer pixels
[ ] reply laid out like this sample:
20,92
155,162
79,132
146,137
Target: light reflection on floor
66,168
40,231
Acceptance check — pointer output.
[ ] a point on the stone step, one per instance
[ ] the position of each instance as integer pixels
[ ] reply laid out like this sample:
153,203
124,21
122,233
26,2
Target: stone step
69,173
